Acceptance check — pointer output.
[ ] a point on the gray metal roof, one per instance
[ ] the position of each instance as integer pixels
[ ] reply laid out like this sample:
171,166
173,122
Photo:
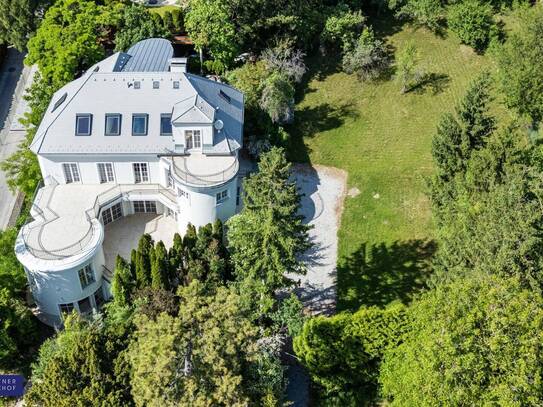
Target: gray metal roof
151,55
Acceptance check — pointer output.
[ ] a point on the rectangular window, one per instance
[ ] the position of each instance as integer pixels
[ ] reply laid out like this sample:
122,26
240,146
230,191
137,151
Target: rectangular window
141,172
139,124
84,305
144,206
86,276
238,195
165,124
193,139
83,124
113,124
105,172
111,214
71,173
99,297
221,196
66,309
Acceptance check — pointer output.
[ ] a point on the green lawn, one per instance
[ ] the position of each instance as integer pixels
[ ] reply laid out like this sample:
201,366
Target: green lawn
383,140
161,9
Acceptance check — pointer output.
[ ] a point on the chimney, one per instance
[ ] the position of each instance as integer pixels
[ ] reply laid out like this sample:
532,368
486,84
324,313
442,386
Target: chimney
178,65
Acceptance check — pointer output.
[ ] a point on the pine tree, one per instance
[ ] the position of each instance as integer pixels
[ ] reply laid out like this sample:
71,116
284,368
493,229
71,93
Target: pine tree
176,258
159,267
267,238
189,240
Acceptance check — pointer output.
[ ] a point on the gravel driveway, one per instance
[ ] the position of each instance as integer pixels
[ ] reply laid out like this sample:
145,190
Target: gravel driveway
322,203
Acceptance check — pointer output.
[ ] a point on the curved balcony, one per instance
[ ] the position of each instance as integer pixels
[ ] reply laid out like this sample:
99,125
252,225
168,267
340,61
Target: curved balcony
204,170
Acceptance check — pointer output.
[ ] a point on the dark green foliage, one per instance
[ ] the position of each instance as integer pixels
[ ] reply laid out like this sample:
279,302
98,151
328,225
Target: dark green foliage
178,21
136,24
142,266
289,317
160,275
343,352
368,57
152,302
123,283
342,28
476,341
457,137
473,22
428,13
520,63
268,237
17,22
78,367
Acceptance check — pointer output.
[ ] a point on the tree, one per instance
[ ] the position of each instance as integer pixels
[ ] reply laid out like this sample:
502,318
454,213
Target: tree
473,22
123,283
475,341
520,67
278,98
68,40
17,22
210,27
368,58
135,24
428,13
268,237
457,137
203,357
76,368
284,59
408,73
142,261
342,27
343,352
159,267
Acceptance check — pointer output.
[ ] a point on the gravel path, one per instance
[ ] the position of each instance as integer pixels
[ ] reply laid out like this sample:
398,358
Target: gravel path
324,191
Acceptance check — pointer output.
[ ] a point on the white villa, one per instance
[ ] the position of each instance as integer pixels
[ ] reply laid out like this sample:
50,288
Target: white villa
136,144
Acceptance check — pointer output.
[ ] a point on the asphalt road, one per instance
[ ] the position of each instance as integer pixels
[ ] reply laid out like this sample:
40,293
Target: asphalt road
13,76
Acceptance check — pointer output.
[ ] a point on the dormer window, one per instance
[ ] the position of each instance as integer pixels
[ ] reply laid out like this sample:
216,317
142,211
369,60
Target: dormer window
83,124
139,124
165,124
113,124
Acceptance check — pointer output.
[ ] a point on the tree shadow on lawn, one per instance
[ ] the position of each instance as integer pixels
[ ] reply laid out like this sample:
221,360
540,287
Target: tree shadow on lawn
378,274
310,120
434,82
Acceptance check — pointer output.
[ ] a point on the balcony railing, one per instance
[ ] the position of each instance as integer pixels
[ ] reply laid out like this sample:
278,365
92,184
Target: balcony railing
185,176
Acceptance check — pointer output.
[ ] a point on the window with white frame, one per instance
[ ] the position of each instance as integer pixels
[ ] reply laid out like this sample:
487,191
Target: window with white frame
105,172
144,206
221,196
182,193
112,213
66,309
71,173
139,124
141,172
86,276
193,139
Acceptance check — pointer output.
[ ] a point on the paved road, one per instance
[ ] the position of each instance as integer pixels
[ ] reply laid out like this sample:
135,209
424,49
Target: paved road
13,78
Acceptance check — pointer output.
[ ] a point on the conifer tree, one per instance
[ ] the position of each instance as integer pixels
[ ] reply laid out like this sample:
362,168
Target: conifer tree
159,267
267,238
123,282
143,261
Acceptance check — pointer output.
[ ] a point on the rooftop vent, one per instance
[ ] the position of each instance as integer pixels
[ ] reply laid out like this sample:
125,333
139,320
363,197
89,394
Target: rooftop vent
59,102
218,125
224,96
178,65
176,84
156,84
137,84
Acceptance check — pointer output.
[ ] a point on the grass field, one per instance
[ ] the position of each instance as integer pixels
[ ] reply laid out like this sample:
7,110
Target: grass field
161,9
383,139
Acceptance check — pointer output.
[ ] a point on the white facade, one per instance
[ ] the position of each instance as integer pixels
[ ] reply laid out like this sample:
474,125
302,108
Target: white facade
171,148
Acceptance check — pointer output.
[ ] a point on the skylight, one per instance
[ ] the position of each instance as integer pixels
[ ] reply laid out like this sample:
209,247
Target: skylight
224,96
83,124
59,102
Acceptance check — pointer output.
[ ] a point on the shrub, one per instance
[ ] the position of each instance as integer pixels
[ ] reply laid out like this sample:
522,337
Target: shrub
368,59
472,22
342,27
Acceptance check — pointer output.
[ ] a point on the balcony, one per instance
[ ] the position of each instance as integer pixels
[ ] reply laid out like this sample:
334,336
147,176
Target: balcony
204,170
